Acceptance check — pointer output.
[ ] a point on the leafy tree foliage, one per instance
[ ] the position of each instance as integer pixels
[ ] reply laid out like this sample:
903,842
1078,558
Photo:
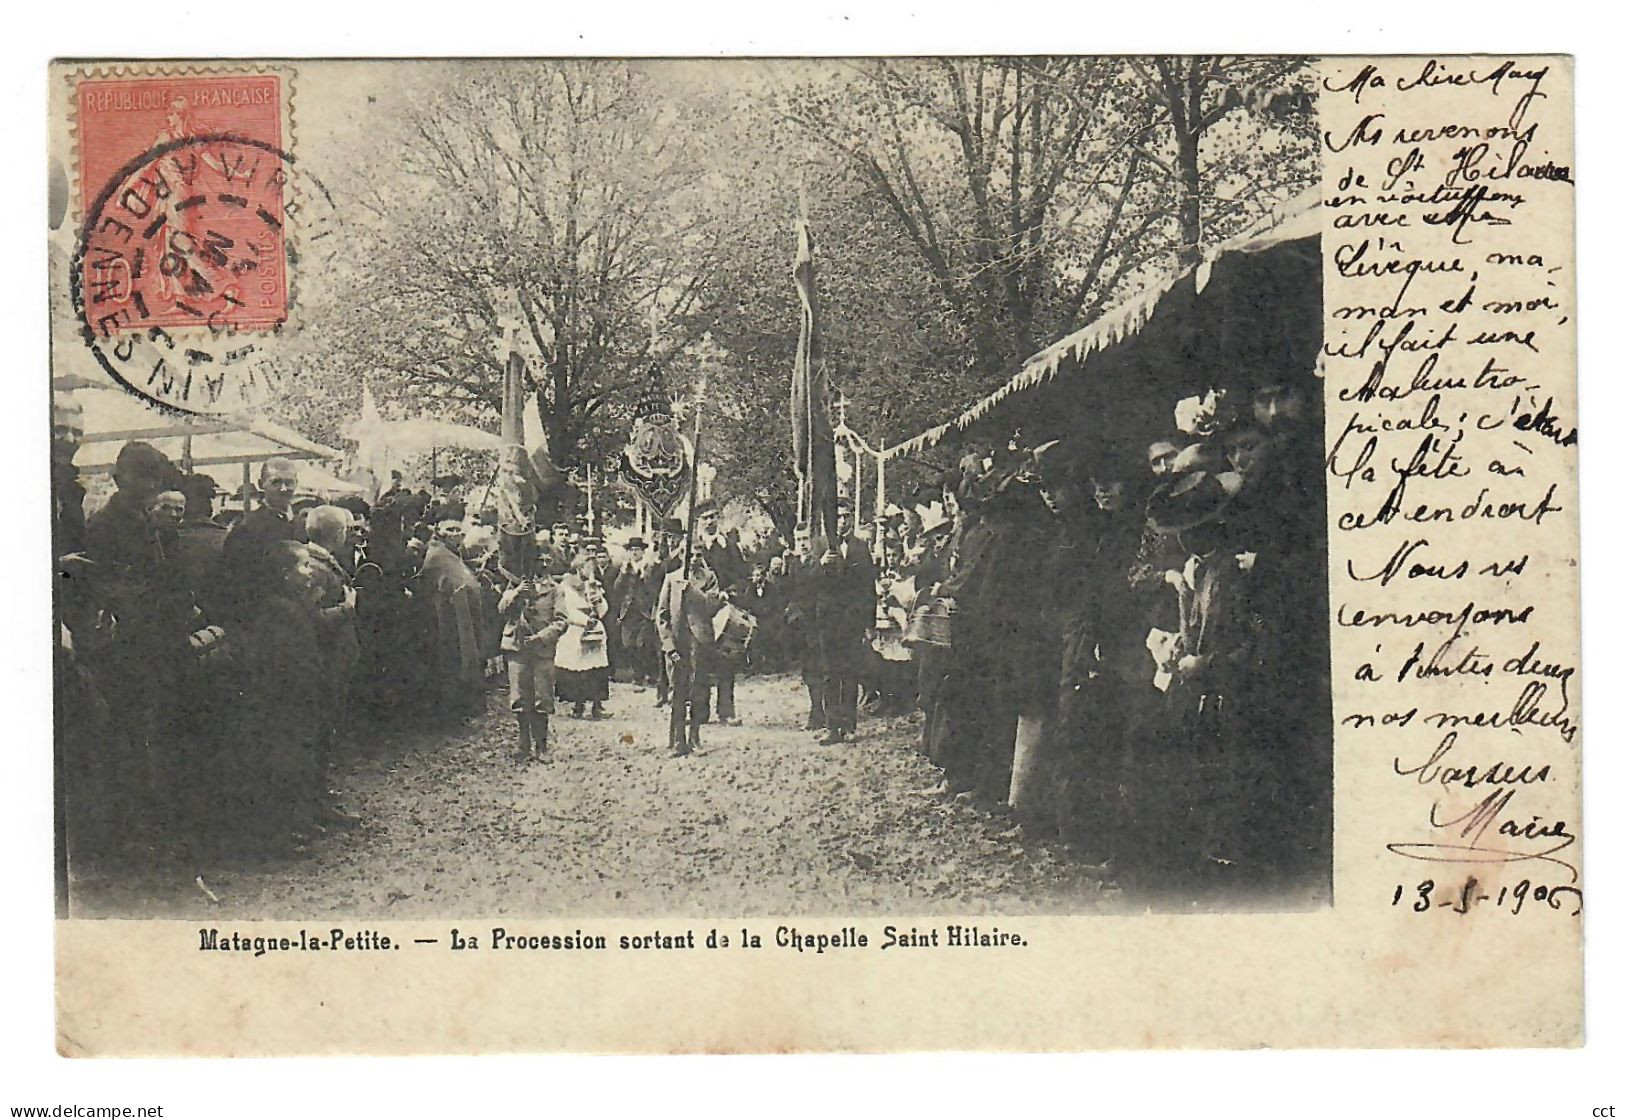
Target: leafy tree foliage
966,211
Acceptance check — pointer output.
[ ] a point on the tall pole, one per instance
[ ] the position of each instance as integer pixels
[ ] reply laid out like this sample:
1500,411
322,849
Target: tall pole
857,480
880,497
808,513
693,479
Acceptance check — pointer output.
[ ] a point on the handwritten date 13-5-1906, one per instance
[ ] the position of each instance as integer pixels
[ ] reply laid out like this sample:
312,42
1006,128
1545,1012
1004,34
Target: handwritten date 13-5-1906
1429,896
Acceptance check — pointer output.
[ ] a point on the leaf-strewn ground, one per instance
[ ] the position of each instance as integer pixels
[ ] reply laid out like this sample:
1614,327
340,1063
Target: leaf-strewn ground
762,820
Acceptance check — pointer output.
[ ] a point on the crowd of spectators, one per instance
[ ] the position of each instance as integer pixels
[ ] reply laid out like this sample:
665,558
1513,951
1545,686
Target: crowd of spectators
1129,659
1138,657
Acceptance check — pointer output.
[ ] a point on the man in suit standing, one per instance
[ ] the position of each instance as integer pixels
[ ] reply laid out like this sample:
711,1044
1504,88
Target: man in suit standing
668,559
632,610
685,619
800,572
242,555
844,610
727,563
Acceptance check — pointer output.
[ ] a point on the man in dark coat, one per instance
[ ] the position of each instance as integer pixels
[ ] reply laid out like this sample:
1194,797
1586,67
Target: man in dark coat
199,545
128,540
770,596
271,757
119,535
802,636
632,607
67,491
844,611
453,592
669,558
727,563
256,531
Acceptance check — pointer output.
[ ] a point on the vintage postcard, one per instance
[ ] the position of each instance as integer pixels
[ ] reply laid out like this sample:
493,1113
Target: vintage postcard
1021,553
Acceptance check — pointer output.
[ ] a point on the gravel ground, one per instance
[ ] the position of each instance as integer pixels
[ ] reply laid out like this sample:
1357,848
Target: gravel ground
762,820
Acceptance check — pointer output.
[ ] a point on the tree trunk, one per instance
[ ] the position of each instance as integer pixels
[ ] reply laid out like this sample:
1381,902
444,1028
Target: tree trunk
1189,124
1190,202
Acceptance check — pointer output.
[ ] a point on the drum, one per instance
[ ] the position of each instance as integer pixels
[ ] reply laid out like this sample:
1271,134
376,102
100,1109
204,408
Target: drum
734,630
593,635
931,624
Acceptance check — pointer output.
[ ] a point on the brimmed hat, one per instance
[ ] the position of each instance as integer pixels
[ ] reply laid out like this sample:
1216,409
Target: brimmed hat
200,489
636,542
706,506
933,519
1194,499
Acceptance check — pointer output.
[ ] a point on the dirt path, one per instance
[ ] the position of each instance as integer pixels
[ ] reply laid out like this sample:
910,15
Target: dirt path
762,820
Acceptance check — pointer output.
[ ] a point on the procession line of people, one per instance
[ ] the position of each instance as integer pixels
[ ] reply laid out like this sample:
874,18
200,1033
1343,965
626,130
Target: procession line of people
1116,651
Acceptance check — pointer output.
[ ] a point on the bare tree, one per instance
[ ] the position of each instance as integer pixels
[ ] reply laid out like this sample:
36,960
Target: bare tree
1193,96
560,195
1038,189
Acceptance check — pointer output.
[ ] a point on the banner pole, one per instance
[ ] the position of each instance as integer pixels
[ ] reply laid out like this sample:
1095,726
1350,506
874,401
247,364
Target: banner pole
693,480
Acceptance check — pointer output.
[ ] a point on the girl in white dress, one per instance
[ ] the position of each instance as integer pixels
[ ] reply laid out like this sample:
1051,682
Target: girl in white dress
582,660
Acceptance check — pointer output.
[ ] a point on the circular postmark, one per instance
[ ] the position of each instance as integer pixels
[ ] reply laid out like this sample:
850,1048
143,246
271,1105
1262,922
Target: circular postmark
181,281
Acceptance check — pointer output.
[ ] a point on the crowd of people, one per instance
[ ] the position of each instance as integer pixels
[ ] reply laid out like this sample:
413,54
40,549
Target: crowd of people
1137,659
1125,648
1124,654
212,662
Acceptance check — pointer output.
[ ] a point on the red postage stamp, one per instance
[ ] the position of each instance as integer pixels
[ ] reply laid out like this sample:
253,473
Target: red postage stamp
182,181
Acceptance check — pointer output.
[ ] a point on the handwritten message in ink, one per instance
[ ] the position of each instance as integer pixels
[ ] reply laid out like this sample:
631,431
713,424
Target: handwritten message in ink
1451,453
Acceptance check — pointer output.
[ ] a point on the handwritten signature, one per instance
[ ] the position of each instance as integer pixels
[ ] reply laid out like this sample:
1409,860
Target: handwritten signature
1485,821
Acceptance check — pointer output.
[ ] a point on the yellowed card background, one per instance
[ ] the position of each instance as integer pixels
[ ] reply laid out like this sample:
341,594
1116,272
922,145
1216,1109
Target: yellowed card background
1362,973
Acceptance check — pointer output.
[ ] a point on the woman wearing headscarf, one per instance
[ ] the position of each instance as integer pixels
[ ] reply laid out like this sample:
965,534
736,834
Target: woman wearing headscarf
582,660
328,528
455,594
269,772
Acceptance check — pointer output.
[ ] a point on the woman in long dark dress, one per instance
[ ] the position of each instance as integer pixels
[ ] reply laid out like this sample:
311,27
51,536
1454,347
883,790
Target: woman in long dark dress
270,772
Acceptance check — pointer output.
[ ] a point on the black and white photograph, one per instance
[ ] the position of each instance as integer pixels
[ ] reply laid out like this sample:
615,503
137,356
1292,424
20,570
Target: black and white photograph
610,488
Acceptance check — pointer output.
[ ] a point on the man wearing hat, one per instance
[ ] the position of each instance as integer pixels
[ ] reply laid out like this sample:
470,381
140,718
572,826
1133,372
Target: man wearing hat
199,545
532,626
727,563
632,606
1206,669
843,612
136,672
669,549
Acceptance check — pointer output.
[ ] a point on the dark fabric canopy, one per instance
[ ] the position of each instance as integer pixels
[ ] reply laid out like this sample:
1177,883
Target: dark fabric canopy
1255,322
